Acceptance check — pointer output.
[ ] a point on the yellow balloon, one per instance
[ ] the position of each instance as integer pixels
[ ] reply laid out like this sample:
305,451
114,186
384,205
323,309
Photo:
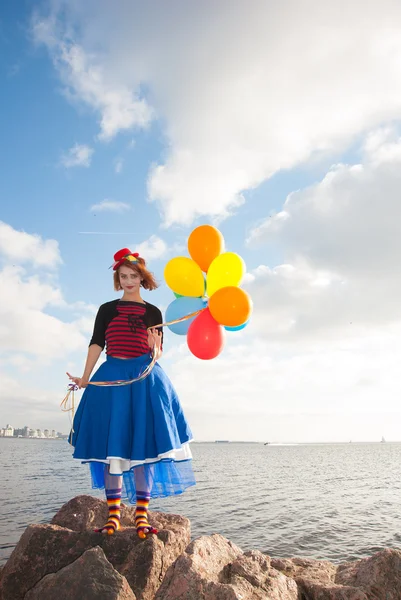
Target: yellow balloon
226,269
184,277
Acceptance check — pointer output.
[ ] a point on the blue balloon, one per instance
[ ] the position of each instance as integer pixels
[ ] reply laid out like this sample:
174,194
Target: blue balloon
180,307
237,327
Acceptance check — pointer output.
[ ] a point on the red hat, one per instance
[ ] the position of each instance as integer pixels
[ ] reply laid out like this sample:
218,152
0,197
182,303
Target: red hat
122,255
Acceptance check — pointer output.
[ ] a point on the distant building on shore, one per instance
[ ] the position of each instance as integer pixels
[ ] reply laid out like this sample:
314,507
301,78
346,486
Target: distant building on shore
8,431
27,432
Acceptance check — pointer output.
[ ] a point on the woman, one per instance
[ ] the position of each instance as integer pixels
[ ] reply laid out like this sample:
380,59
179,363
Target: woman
135,437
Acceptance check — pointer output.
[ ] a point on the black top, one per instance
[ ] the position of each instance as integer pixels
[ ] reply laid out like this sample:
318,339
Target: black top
151,315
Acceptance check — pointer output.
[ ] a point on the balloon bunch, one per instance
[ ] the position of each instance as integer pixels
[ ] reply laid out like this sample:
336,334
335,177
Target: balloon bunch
207,306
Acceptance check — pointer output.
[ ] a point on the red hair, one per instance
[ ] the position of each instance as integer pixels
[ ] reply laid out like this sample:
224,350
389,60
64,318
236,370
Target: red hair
148,281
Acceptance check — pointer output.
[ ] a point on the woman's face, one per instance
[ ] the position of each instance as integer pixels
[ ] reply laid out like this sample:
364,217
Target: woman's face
130,280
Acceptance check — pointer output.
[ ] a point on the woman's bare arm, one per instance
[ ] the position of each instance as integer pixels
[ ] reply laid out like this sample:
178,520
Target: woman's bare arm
94,351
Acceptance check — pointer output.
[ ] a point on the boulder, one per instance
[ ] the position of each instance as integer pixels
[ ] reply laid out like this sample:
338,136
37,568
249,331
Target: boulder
83,513
42,549
321,571
45,549
375,578
90,577
67,559
213,568
379,576
309,590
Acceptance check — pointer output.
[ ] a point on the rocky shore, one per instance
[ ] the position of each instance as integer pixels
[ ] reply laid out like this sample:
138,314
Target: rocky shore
66,560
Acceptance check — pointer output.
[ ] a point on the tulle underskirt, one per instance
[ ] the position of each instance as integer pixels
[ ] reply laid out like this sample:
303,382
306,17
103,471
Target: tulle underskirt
163,478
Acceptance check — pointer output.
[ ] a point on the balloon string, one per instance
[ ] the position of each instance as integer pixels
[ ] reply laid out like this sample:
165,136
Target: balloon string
121,382
149,368
194,314
70,396
72,387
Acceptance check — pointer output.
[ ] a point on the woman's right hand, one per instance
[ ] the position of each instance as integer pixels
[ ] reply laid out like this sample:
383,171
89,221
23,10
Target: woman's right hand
79,381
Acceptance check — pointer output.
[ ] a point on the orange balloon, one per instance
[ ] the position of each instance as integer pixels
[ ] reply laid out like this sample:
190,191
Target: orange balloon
204,244
230,306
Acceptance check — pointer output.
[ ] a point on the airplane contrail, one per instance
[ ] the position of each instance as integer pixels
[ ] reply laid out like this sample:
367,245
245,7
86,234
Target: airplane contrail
110,232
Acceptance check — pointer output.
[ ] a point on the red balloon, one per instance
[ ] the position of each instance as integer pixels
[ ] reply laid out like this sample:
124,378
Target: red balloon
205,336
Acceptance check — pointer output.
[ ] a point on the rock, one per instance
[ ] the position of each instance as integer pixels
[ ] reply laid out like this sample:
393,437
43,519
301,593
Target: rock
82,513
316,591
155,555
210,554
66,559
315,579
379,576
45,549
321,571
42,549
374,578
204,559
90,577
253,576
212,568
85,513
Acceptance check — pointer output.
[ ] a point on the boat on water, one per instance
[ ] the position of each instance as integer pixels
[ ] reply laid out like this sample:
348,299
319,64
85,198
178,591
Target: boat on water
383,441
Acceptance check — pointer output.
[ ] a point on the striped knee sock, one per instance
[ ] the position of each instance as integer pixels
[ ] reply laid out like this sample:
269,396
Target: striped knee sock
141,515
113,503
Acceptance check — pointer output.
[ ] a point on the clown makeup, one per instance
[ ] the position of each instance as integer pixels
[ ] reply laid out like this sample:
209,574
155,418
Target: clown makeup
130,280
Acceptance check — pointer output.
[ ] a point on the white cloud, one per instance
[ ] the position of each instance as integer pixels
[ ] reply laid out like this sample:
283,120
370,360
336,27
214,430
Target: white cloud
110,206
34,339
27,249
269,391
79,155
26,326
347,222
152,248
118,165
264,93
88,80
341,245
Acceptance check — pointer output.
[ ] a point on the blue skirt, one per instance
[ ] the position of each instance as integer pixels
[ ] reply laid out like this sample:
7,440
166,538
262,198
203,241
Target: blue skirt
138,431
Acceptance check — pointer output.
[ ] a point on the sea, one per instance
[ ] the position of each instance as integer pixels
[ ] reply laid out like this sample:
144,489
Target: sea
338,502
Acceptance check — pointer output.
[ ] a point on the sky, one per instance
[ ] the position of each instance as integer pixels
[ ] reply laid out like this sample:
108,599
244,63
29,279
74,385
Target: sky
128,124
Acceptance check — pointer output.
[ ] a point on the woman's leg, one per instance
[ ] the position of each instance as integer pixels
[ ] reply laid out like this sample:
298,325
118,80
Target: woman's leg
113,486
143,483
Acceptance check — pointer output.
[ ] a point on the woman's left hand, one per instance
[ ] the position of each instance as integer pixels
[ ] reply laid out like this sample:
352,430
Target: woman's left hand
155,340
